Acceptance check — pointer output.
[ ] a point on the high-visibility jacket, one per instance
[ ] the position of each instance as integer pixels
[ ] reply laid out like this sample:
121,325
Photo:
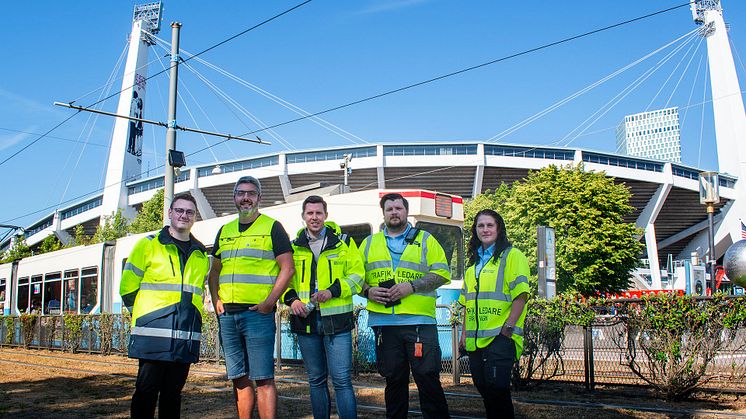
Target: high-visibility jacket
422,255
249,268
488,304
165,296
338,269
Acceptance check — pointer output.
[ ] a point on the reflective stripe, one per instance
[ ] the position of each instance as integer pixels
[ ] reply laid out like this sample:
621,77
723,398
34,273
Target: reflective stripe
347,308
303,294
491,332
134,269
247,253
488,295
367,247
350,283
413,266
332,256
383,264
166,333
423,255
247,279
149,286
520,279
439,266
355,278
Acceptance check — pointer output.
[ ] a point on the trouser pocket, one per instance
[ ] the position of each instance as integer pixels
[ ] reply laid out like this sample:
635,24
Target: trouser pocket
498,362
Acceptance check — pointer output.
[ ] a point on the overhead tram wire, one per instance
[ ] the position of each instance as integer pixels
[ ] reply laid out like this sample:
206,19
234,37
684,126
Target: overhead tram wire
352,138
189,111
264,22
525,52
90,125
474,67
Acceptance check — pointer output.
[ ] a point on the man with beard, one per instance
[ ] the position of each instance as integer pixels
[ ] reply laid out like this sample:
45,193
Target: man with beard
404,266
252,265
162,286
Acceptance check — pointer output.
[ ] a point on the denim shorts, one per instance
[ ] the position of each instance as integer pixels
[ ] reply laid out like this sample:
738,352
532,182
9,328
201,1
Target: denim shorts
248,340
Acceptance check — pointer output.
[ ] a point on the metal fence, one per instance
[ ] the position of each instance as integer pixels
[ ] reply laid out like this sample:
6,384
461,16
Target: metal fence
591,355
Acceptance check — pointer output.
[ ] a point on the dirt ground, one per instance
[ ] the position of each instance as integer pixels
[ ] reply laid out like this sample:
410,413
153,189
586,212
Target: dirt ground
41,384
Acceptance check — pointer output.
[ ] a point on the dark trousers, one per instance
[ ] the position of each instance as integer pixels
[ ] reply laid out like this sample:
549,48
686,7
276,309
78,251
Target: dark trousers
156,378
395,355
490,369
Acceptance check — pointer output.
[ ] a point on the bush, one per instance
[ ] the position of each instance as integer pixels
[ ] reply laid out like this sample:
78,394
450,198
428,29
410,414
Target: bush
73,331
106,332
671,340
543,333
28,326
10,329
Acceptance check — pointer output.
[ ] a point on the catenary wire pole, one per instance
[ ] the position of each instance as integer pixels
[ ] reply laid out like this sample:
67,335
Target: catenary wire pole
168,181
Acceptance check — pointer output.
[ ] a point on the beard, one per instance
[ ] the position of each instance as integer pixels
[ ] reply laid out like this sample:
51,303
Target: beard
396,224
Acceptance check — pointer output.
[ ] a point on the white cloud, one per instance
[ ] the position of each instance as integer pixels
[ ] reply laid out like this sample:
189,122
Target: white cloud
390,5
11,140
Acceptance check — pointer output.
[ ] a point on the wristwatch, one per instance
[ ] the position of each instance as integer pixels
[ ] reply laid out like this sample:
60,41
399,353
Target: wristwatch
509,327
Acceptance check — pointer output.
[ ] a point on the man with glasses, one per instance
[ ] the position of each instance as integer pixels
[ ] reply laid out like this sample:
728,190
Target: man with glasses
162,286
252,265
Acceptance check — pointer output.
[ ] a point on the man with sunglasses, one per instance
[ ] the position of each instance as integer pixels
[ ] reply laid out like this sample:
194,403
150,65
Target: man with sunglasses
251,268
163,286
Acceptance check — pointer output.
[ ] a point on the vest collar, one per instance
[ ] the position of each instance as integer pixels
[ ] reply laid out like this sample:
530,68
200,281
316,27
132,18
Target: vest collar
164,238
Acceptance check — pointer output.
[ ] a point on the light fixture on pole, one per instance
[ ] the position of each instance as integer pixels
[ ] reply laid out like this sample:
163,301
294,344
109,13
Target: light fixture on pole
709,194
345,165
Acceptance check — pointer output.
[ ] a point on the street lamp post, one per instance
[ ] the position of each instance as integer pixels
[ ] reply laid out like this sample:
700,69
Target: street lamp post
709,195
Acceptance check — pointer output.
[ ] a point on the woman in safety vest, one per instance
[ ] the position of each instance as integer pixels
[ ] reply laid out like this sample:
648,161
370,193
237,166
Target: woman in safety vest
494,296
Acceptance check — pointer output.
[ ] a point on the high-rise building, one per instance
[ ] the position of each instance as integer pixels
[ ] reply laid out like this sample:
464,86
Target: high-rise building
653,134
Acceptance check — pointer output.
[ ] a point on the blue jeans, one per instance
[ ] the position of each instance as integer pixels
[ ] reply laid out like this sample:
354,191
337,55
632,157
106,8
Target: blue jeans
248,339
324,355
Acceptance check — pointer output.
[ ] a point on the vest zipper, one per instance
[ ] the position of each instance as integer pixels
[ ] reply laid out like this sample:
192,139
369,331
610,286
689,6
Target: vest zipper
303,274
476,310
171,261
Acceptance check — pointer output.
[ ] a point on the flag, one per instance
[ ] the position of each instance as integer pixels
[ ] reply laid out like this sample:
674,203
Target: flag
743,231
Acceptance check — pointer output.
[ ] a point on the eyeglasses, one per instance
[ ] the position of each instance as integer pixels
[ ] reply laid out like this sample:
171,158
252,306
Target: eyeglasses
188,212
241,194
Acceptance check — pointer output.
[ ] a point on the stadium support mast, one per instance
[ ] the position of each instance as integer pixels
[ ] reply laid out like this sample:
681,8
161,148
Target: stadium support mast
125,154
728,112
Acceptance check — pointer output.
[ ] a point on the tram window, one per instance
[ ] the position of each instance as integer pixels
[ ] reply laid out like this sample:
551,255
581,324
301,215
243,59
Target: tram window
451,238
52,293
88,289
358,232
36,294
70,297
22,298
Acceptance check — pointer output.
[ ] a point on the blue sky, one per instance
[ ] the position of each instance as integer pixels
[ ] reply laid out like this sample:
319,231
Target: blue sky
329,53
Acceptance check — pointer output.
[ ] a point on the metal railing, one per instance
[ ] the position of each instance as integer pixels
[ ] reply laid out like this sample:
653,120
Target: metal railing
591,355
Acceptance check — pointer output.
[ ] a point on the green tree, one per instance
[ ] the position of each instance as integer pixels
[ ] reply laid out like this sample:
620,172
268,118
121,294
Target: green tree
596,249
50,244
18,251
114,227
150,217
81,239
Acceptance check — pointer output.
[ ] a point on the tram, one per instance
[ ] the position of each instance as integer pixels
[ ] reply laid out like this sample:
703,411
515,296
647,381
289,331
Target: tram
85,279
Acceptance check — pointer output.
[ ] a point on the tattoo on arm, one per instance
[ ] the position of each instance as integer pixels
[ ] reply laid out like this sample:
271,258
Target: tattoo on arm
428,283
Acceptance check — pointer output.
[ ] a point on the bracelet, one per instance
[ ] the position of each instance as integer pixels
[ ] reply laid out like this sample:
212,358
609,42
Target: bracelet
365,293
413,290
